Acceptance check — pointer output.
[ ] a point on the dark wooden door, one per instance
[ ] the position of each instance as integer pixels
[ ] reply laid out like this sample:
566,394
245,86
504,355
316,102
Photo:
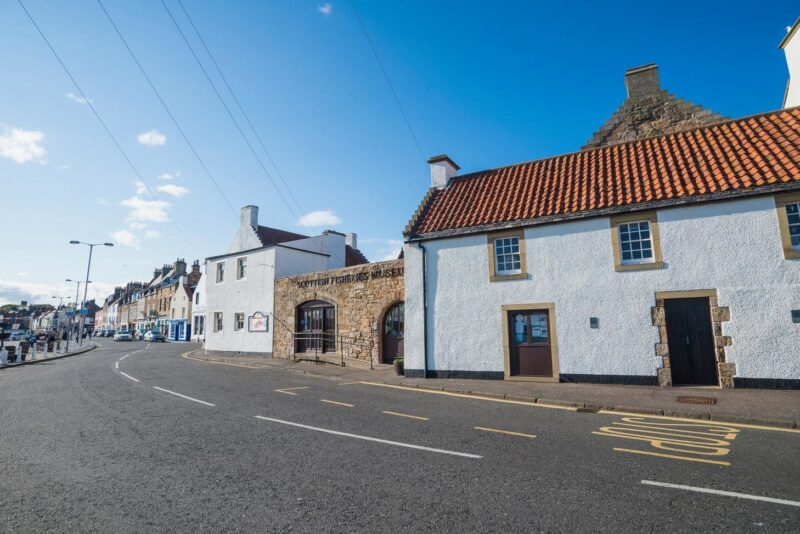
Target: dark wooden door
316,327
691,341
393,326
530,350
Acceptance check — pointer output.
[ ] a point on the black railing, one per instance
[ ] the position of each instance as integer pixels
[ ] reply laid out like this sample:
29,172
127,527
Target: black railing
310,345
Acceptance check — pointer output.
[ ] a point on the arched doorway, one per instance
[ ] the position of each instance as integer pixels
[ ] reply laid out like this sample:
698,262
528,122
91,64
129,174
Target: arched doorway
316,327
393,326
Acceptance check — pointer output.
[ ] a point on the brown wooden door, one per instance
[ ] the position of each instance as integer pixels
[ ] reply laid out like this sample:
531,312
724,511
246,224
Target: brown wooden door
393,326
530,350
316,327
691,341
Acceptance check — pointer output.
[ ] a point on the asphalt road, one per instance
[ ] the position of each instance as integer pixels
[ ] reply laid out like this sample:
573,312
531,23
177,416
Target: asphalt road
156,442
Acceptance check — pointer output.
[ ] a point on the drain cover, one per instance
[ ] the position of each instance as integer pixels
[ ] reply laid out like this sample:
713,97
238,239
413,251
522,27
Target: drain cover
687,399
587,410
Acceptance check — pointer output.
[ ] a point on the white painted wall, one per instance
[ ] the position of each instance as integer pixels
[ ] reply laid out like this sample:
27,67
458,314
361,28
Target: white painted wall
199,306
251,294
733,247
792,51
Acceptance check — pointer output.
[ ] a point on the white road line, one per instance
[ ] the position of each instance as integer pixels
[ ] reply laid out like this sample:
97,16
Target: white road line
183,396
126,375
367,438
723,493
116,364
125,356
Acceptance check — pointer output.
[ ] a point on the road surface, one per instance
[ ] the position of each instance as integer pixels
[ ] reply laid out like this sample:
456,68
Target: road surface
133,437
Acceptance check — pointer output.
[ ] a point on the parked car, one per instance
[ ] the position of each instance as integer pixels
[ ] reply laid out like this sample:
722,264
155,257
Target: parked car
108,333
154,335
19,335
123,335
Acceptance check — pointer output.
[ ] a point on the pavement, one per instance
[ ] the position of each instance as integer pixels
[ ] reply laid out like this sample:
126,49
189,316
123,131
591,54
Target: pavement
779,408
47,356
135,437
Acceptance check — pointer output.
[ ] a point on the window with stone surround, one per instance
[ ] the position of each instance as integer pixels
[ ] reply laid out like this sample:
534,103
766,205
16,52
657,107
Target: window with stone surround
238,321
789,222
636,242
507,256
217,321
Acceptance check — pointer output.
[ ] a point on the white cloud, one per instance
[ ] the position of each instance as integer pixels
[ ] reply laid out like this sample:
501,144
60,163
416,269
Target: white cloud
168,176
319,218
325,9
146,210
79,99
23,273
383,249
126,238
21,145
137,226
152,234
65,167
41,293
141,188
152,138
176,191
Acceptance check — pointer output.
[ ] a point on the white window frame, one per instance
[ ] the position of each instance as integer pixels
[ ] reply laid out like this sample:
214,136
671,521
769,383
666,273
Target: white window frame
236,316
241,262
219,271
500,246
219,322
793,225
628,228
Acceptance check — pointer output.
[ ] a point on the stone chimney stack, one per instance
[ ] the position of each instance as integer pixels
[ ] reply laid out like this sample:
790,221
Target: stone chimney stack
642,81
196,267
157,273
165,269
180,266
442,169
249,216
352,240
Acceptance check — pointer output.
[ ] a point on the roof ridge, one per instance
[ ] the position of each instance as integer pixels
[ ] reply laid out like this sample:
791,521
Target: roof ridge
622,143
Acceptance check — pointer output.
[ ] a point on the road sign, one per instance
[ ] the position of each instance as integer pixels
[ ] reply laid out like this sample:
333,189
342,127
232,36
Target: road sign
70,313
84,312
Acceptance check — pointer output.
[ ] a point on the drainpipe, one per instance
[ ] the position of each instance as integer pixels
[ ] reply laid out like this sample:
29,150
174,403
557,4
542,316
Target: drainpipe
424,311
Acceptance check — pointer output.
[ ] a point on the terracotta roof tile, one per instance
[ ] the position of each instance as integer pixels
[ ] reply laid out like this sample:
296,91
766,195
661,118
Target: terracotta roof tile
737,155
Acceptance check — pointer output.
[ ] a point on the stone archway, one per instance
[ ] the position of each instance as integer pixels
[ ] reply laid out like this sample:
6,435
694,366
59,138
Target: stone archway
391,332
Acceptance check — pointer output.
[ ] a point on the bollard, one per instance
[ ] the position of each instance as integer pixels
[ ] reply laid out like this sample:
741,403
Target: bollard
3,357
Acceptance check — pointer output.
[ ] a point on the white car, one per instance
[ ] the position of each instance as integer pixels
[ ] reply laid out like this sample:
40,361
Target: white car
154,335
123,335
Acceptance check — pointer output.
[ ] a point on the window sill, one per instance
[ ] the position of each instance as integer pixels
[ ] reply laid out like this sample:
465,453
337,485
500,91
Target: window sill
501,277
639,266
791,254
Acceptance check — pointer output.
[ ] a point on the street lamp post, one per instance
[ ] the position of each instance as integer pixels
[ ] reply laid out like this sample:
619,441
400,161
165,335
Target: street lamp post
77,292
86,285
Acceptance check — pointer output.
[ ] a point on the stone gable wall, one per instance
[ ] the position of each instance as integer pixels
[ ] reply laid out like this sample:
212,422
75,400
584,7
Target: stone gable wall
362,295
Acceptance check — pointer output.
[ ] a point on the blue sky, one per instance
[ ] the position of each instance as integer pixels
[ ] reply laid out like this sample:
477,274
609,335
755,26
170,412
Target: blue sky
489,83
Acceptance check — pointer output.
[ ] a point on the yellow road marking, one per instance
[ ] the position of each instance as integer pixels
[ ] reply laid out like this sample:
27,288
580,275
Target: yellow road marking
509,432
288,391
348,383
337,403
674,457
217,362
406,415
707,422
474,397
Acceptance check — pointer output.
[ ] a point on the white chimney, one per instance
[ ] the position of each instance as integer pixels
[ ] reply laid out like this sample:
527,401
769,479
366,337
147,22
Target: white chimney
249,216
352,240
442,169
791,47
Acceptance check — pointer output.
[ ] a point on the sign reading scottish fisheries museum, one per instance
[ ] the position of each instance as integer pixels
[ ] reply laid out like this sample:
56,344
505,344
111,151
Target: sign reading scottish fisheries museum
351,278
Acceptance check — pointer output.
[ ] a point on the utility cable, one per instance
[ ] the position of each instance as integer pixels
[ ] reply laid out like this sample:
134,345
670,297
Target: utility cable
230,114
388,80
100,120
166,108
239,105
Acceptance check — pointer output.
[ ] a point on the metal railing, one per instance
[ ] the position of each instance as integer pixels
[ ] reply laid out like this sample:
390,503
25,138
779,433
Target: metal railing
315,344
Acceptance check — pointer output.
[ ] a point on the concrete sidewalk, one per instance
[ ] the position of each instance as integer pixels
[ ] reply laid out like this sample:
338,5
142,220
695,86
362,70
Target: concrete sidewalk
54,356
776,408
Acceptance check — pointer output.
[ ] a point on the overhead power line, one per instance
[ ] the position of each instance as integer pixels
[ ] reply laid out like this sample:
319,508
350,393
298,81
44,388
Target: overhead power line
100,120
166,108
239,105
230,114
388,80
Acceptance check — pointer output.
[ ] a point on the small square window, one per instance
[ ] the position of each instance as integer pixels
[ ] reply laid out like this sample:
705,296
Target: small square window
636,245
507,256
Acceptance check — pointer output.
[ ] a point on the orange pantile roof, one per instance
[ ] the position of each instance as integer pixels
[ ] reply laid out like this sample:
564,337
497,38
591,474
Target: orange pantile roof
751,155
